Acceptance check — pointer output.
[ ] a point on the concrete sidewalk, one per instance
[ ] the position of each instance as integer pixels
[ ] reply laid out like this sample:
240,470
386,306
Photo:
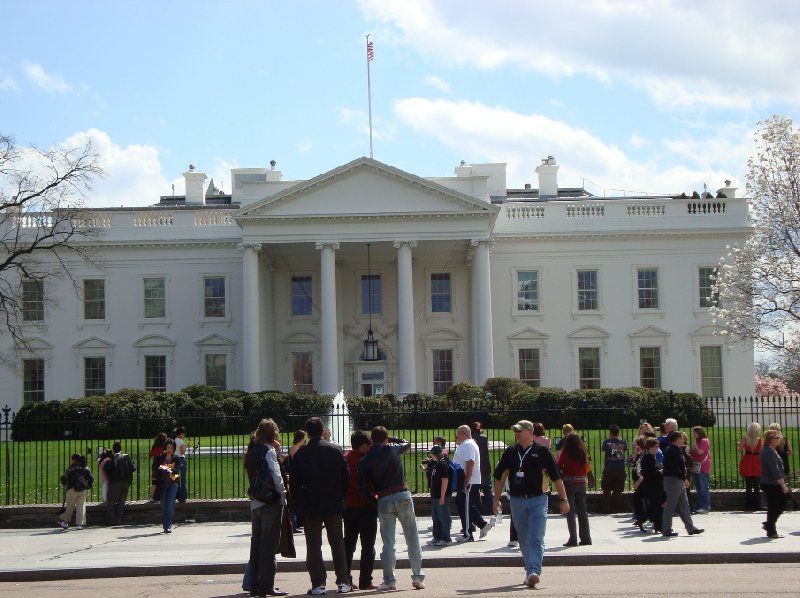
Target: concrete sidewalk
218,548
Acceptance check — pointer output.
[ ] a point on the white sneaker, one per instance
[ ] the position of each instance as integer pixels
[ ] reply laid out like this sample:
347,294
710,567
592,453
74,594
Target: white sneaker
432,542
532,580
63,524
462,539
418,585
701,512
485,529
387,587
445,542
318,591
344,588
513,544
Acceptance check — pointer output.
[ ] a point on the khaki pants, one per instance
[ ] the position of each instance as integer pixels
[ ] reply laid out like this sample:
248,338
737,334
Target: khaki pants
76,501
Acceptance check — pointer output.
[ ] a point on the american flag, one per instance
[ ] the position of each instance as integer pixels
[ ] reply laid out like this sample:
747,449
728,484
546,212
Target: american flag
370,51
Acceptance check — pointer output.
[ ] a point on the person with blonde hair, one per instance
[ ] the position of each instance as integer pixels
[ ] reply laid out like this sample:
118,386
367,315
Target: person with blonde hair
773,481
750,465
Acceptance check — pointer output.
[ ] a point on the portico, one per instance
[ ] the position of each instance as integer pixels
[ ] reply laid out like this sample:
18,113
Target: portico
421,233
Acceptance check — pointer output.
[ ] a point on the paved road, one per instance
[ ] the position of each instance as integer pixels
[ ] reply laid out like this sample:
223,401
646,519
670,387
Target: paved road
686,581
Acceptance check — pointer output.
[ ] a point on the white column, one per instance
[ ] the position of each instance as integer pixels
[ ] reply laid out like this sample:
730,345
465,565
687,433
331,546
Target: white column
328,327
251,360
268,328
405,319
482,324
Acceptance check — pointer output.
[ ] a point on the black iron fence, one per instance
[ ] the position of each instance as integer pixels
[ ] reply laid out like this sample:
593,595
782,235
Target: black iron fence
30,469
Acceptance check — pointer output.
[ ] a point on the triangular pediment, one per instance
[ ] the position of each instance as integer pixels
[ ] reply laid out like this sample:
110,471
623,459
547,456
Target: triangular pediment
649,332
93,342
708,330
588,332
366,187
527,334
214,340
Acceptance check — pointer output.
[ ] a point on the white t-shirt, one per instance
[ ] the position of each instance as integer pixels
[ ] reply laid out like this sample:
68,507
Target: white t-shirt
178,443
468,451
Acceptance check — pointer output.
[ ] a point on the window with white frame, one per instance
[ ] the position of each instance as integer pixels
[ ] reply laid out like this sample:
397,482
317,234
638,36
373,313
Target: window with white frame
155,373
589,367
711,380
588,290
302,305
155,298
371,294
33,381
706,276
647,288
32,300
441,293
302,372
442,370
527,290
214,296
94,299
650,367
216,365
94,376
530,370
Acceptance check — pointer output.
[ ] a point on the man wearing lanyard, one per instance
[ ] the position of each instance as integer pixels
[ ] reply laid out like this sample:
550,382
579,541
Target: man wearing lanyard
530,468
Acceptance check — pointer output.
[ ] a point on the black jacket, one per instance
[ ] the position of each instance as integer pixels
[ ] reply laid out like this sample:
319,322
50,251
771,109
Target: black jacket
381,468
674,463
318,479
71,475
483,451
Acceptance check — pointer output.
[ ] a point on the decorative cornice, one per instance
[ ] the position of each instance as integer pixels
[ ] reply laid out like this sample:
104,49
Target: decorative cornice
336,218
476,242
617,235
249,245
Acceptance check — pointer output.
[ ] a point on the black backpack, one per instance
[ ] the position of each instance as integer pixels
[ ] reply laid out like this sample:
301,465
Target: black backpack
262,486
79,483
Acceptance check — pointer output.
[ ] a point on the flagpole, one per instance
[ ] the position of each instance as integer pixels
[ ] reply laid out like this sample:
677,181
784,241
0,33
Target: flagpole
369,92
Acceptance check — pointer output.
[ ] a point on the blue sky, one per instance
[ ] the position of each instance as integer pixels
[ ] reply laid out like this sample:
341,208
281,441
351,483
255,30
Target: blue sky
629,95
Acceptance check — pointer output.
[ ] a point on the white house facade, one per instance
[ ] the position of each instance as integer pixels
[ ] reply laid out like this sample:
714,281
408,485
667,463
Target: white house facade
277,286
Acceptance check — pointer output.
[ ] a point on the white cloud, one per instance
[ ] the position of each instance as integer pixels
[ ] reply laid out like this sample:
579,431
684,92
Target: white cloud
637,141
720,53
7,82
49,82
305,146
133,173
477,132
438,83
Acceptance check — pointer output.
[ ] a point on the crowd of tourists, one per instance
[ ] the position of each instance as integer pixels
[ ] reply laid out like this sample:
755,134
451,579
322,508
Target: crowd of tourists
314,485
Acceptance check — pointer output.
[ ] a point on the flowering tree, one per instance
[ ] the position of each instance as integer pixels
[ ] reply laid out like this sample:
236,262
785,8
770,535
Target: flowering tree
766,386
759,283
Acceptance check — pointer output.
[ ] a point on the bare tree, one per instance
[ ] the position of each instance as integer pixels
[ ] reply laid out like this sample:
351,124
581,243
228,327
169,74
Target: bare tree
759,283
42,226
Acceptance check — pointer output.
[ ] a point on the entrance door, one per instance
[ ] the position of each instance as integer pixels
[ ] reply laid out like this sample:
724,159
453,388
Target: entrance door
373,383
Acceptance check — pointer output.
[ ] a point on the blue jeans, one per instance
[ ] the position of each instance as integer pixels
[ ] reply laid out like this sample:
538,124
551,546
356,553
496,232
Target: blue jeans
392,508
441,519
703,493
168,494
530,519
183,489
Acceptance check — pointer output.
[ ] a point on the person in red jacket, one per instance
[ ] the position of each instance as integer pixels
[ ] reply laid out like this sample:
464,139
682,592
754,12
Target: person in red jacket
360,516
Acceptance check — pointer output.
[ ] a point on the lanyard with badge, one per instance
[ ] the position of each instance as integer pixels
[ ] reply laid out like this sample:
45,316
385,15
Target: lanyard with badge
520,475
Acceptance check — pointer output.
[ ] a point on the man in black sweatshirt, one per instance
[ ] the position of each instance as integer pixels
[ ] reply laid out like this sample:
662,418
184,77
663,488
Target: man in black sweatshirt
381,478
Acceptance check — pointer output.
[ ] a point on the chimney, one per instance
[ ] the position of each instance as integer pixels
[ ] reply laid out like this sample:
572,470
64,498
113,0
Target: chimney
727,190
273,174
195,181
548,177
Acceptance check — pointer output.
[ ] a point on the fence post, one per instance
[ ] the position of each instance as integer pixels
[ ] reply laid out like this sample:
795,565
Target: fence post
6,429
137,406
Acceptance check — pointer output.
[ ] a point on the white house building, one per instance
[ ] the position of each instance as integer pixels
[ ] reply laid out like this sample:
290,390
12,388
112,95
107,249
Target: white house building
277,285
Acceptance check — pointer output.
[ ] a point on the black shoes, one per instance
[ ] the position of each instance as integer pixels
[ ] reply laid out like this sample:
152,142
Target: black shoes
696,531
589,543
570,543
669,534
774,536
272,592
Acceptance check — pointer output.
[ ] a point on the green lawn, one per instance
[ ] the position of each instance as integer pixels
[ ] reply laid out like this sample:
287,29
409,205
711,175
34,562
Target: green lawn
29,471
